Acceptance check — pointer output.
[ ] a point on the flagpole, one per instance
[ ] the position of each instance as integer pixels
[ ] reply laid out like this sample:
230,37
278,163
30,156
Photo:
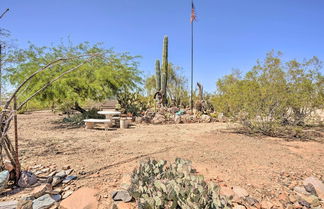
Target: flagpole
192,56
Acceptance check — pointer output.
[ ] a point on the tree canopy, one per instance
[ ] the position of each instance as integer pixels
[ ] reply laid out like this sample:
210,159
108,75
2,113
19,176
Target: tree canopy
96,80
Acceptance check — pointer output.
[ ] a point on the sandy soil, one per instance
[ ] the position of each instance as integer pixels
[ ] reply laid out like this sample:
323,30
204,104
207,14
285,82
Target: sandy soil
263,166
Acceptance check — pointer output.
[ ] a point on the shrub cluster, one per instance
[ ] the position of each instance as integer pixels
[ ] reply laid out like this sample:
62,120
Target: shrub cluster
273,96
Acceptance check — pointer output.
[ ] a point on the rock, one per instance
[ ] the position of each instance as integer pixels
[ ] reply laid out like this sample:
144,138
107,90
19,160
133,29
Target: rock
66,167
81,199
122,195
205,118
67,194
25,203
251,201
4,178
301,190
138,120
313,200
52,174
158,119
57,197
56,180
61,174
226,191
39,191
68,179
304,203
27,179
266,204
311,189
292,198
318,185
8,205
240,192
8,166
68,172
44,202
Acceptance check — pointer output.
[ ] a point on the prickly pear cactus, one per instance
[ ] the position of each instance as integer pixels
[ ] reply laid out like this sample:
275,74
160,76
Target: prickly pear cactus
158,184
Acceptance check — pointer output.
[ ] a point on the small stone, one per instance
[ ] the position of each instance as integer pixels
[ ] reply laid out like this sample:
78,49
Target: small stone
4,178
121,196
251,201
313,200
67,194
38,191
56,180
25,204
57,191
68,179
44,202
68,172
57,197
301,190
52,174
66,167
61,174
240,192
27,179
304,203
8,205
292,198
318,185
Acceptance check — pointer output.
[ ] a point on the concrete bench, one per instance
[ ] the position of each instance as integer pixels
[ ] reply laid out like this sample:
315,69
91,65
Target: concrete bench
90,123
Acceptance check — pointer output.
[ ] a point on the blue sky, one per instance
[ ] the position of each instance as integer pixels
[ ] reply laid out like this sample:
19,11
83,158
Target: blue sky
229,34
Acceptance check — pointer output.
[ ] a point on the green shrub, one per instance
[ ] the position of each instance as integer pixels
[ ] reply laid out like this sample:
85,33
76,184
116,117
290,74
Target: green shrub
157,185
273,95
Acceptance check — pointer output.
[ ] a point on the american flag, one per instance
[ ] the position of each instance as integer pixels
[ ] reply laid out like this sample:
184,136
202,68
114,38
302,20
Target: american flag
193,15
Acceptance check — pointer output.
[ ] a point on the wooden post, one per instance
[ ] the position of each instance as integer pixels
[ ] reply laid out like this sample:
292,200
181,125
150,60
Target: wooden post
17,169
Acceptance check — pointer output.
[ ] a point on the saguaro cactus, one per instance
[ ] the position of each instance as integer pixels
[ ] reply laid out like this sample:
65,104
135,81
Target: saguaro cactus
165,64
162,73
158,75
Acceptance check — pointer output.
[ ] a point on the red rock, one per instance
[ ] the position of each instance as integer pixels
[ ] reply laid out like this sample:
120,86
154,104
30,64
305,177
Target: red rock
83,198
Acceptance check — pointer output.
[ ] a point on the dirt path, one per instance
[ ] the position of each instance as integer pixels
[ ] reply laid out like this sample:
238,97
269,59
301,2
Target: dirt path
263,166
